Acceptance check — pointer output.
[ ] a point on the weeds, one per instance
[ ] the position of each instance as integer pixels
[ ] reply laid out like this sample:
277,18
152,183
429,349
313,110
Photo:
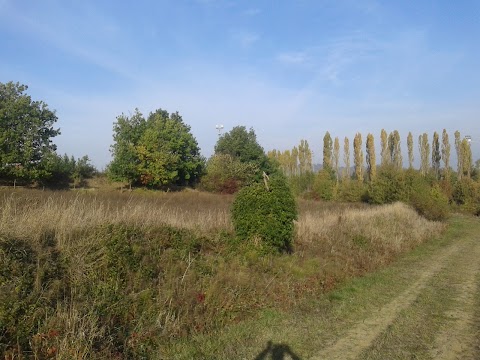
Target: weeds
124,275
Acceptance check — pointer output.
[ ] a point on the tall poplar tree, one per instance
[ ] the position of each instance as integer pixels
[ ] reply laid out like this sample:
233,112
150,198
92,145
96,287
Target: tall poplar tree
424,148
358,156
346,159
371,165
327,151
384,155
467,161
436,156
304,157
458,144
294,161
336,156
446,154
397,159
410,150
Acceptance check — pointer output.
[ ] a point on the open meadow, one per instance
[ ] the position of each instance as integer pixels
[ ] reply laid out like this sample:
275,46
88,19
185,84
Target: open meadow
90,274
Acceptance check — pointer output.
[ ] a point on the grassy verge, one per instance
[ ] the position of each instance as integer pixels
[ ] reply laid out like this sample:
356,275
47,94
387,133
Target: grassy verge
316,323
141,275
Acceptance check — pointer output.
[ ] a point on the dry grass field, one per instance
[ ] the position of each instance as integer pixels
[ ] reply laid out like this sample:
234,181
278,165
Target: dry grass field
125,275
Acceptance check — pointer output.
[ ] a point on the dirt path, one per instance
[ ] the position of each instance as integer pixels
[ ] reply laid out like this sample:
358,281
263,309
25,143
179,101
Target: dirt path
426,305
444,288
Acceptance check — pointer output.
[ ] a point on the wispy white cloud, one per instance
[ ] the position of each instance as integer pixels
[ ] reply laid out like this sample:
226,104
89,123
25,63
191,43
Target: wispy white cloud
95,43
342,52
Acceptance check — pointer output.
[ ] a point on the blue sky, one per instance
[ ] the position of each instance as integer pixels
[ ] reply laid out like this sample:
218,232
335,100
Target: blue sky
290,69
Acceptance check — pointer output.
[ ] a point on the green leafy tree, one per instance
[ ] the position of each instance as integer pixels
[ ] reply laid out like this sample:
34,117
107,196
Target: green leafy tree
127,132
226,174
159,151
83,170
167,151
26,132
242,144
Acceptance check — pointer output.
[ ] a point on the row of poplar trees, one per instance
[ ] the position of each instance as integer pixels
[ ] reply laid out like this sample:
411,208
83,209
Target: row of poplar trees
434,156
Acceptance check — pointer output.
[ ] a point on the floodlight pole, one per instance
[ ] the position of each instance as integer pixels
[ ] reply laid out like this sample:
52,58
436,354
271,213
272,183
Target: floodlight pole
219,129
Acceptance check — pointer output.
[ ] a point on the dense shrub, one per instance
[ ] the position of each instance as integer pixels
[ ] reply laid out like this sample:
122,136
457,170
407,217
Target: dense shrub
431,203
324,185
31,283
464,191
266,215
466,195
226,174
351,191
388,187
302,183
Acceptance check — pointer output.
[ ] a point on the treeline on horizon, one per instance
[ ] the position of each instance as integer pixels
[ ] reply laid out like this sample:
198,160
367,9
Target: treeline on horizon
433,189
435,157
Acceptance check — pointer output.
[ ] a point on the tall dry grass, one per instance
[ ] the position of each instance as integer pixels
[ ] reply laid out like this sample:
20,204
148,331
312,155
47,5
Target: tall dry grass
187,274
28,212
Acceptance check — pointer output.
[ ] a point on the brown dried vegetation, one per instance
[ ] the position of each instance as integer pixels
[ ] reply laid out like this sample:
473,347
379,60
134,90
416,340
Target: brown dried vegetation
135,272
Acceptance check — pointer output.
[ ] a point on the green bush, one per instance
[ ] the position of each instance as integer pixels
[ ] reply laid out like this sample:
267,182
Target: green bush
388,187
266,215
464,191
226,174
31,283
324,185
302,183
351,191
431,203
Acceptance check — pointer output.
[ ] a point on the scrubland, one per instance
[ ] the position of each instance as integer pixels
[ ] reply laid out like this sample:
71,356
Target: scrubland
130,275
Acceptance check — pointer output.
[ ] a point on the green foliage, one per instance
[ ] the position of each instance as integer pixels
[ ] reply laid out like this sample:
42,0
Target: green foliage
325,184
388,187
431,203
226,174
26,130
266,215
31,283
242,145
464,191
159,151
126,136
64,170
301,183
351,191
466,194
